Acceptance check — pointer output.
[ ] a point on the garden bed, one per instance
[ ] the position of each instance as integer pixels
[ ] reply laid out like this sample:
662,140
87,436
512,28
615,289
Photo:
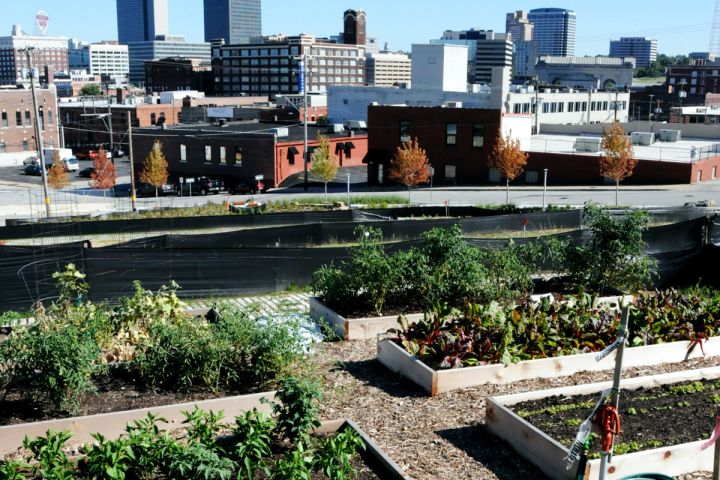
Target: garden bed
659,403
112,424
435,382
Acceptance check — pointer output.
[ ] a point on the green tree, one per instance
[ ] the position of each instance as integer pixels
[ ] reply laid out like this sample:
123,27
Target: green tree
410,165
91,90
155,167
509,160
617,161
324,167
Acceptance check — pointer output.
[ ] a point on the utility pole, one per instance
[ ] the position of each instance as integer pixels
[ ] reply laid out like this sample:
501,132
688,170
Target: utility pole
38,132
616,103
110,127
305,122
537,111
132,163
650,111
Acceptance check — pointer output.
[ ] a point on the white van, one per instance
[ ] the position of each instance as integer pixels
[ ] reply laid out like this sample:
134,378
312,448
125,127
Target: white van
72,164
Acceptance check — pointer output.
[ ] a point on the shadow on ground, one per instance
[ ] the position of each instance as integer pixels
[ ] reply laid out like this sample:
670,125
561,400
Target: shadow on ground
375,374
496,455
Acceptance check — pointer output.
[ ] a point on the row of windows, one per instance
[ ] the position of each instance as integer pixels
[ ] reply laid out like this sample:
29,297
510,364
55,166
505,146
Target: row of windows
561,107
222,155
19,117
451,133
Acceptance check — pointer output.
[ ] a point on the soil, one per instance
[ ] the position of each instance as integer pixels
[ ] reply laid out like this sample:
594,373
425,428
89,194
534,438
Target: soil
113,395
444,436
650,417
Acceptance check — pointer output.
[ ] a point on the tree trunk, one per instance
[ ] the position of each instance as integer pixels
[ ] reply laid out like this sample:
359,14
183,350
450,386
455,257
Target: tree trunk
507,191
409,202
617,187
157,197
326,192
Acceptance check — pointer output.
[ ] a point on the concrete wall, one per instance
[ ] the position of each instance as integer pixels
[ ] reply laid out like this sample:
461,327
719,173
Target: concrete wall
440,67
519,127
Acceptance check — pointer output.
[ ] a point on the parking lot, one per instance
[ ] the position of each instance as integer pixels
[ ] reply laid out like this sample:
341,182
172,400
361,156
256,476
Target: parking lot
15,175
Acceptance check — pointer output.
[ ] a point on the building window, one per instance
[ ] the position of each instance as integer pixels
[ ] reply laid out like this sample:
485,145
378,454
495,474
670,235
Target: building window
451,133
238,156
478,135
25,145
2,147
584,106
531,176
42,118
404,131
28,123
546,108
4,120
699,176
714,172
49,117
517,108
153,118
292,151
183,153
18,119
208,153
222,155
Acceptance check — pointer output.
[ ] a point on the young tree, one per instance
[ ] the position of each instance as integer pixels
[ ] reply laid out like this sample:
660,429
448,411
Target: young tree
105,175
509,160
155,167
410,165
617,161
324,167
57,177
91,90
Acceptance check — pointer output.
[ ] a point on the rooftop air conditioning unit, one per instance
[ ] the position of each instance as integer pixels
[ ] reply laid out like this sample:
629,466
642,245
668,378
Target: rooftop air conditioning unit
670,135
280,131
355,125
588,144
336,128
454,104
642,138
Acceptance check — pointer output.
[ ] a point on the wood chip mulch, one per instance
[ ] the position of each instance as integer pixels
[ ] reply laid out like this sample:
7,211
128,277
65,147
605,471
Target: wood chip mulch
445,436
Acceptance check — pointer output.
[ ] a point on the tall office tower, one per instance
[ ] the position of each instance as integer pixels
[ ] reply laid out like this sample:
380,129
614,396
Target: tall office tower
518,25
354,31
554,31
235,21
715,32
141,20
643,50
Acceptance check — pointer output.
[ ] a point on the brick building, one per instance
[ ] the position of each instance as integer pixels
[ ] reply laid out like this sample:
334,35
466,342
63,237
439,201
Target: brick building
694,81
17,134
241,151
50,55
178,73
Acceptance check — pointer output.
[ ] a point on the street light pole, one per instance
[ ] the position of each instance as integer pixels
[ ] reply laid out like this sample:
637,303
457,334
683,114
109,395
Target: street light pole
305,122
38,132
132,163
545,173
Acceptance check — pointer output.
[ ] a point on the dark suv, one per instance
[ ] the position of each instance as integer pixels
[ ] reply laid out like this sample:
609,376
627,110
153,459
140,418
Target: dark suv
199,186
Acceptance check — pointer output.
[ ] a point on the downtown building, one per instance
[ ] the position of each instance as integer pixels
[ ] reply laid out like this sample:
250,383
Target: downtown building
388,69
521,30
644,50
554,31
50,56
163,46
141,20
17,134
234,21
485,50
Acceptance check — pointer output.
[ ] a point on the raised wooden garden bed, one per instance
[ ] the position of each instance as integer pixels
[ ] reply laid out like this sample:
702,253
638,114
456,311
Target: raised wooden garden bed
549,455
355,328
112,425
435,382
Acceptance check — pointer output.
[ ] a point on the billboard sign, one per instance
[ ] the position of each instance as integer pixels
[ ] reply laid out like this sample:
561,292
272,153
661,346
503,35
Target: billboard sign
41,20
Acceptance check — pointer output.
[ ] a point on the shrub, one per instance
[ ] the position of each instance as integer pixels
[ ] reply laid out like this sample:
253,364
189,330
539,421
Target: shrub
335,454
253,432
509,272
297,409
57,363
196,461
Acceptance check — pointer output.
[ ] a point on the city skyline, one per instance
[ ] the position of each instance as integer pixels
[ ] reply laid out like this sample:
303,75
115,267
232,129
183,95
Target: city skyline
678,31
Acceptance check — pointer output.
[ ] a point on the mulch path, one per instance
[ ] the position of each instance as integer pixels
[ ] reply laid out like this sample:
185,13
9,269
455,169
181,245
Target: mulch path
444,436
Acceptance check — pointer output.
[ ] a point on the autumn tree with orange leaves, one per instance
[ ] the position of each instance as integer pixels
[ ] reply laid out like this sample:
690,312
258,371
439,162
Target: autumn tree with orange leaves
617,160
57,177
509,160
105,175
410,165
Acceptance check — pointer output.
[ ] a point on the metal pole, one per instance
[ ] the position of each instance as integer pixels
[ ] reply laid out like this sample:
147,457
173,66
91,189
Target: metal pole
545,172
110,127
650,111
305,123
38,133
132,163
716,462
348,190
616,103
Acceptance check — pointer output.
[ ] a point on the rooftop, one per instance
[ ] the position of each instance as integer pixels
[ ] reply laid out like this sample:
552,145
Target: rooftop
681,151
295,131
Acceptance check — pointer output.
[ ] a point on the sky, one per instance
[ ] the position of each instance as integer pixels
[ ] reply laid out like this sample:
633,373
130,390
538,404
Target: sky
400,23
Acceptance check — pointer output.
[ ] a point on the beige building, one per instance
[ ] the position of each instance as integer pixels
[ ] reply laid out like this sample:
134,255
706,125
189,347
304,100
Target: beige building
17,134
387,69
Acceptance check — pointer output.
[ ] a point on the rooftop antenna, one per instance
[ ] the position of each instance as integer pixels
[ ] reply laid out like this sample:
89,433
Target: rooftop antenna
715,32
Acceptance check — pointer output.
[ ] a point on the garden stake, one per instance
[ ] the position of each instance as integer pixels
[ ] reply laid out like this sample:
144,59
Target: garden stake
611,418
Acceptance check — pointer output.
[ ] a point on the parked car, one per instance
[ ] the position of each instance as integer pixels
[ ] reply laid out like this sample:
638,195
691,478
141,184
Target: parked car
143,190
244,187
86,155
34,169
118,153
71,164
199,186
86,172
30,160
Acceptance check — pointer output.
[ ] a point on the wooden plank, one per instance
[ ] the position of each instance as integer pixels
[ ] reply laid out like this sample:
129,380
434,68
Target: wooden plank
529,441
321,313
112,425
399,361
540,449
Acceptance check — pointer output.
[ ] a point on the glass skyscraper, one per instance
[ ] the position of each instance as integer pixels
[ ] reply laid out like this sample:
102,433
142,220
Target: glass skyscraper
236,21
554,31
141,20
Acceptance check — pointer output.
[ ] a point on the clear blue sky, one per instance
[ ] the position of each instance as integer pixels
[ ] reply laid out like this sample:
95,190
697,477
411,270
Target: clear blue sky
680,27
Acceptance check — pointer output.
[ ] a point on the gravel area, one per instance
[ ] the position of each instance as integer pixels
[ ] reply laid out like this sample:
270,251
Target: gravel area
441,437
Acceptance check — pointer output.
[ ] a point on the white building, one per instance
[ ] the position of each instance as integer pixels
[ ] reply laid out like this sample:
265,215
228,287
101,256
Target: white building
440,67
50,56
388,69
110,59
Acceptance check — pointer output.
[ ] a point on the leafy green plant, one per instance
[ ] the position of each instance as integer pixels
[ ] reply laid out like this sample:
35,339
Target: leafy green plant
253,433
107,459
152,449
197,461
336,453
295,465
12,470
203,425
297,408
71,284
52,462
